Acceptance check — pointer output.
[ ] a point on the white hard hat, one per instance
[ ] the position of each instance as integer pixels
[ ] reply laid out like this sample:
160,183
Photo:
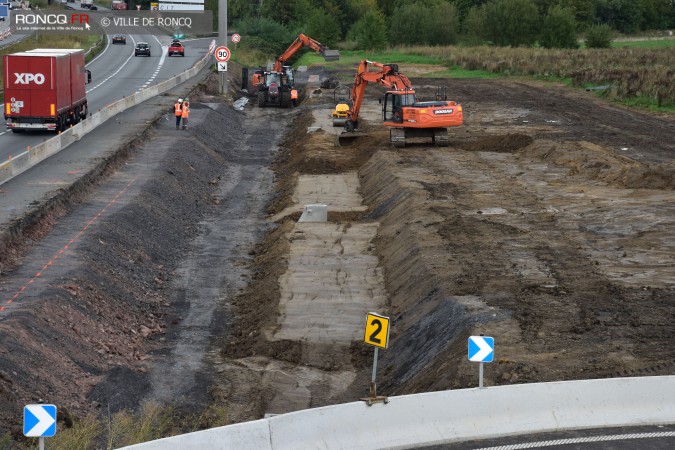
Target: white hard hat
180,100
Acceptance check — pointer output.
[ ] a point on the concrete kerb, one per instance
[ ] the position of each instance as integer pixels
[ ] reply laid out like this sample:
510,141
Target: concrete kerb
450,416
58,143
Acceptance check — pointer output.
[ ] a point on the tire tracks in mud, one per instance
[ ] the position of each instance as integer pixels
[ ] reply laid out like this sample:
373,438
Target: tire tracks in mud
217,267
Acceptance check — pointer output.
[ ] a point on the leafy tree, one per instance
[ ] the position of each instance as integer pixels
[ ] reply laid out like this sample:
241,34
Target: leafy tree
544,6
584,11
475,25
443,24
238,9
599,36
370,32
623,15
560,29
323,27
409,24
266,35
280,11
512,22
655,13
464,6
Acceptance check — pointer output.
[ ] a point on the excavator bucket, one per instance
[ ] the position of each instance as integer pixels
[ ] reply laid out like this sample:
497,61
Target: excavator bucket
331,55
346,138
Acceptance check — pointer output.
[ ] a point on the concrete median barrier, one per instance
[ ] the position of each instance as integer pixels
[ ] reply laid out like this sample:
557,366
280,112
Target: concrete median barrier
449,416
5,171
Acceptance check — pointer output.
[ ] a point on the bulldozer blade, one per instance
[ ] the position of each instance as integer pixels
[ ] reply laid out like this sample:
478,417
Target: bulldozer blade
346,138
331,55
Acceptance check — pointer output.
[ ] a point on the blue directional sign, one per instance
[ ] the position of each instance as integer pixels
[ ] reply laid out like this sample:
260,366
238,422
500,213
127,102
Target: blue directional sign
39,420
4,10
481,349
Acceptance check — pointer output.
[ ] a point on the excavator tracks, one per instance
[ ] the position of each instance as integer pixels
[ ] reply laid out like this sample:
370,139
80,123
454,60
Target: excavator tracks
441,138
397,137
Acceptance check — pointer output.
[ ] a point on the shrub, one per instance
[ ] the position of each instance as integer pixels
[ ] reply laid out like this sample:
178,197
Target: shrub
599,36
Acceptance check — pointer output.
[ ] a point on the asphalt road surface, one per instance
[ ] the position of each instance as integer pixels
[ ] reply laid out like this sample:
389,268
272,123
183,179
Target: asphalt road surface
626,438
117,73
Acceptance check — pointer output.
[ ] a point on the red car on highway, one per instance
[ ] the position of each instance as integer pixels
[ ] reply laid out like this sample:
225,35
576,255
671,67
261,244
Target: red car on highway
176,48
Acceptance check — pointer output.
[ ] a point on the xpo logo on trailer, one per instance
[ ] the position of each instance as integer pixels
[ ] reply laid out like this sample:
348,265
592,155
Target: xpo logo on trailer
27,78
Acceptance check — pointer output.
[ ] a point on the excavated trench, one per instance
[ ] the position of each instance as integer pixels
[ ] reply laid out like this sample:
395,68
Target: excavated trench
197,286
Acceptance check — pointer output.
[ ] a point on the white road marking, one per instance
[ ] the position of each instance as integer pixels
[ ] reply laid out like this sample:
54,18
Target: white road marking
582,440
117,71
159,66
107,44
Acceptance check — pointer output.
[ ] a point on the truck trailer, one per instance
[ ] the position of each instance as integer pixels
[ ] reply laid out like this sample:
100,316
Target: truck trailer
45,89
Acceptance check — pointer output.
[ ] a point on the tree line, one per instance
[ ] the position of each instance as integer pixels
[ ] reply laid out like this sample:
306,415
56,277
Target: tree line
375,24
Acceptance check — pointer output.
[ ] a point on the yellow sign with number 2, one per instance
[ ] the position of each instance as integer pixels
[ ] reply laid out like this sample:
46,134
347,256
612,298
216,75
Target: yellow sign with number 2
377,330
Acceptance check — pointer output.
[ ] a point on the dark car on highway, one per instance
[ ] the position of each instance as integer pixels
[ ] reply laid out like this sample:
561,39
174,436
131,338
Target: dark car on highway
119,39
142,48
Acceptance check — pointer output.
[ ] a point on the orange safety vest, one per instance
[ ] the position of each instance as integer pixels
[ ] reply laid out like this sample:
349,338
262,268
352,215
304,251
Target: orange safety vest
177,110
294,94
186,110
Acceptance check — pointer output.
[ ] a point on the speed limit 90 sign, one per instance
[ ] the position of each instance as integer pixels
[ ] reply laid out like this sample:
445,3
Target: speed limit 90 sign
222,54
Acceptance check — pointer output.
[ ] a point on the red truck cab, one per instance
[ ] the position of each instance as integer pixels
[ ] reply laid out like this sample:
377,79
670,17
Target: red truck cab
45,89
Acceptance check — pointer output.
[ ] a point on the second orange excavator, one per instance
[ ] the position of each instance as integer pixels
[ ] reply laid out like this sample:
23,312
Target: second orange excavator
405,116
277,86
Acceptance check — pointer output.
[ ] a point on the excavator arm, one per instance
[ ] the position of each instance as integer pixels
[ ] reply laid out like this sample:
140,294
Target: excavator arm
304,41
386,75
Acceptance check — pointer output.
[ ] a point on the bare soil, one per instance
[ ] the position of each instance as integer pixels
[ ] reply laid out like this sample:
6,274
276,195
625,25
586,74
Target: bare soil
547,224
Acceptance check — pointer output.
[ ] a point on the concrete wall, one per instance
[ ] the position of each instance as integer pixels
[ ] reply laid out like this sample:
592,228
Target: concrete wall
33,155
448,416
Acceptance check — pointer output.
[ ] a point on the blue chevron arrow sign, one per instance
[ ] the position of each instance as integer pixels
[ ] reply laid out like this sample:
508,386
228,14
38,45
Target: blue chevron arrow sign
481,349
39,420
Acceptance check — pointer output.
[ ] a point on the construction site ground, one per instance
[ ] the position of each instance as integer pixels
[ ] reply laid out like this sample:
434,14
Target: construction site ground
548,224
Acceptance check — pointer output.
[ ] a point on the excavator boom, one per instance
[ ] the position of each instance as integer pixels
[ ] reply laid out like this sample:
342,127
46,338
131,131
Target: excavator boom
304,41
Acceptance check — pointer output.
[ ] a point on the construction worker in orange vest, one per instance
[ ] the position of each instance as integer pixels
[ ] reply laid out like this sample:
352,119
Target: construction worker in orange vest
185,112
178,112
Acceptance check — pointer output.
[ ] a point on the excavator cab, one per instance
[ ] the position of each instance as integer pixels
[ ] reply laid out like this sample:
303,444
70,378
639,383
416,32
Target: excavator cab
394,101
289,75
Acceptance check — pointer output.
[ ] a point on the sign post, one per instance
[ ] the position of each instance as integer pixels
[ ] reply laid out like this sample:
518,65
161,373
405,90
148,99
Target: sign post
39,421
377,335
222,55
222,40
481,350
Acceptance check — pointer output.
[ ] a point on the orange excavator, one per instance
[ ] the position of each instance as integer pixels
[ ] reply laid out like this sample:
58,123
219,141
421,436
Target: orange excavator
402,113
277,87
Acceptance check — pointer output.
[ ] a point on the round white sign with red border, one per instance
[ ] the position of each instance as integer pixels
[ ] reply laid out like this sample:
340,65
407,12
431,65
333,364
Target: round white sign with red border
222,54
236,38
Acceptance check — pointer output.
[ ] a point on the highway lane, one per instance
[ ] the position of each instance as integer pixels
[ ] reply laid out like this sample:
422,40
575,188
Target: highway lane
657,437
117,73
